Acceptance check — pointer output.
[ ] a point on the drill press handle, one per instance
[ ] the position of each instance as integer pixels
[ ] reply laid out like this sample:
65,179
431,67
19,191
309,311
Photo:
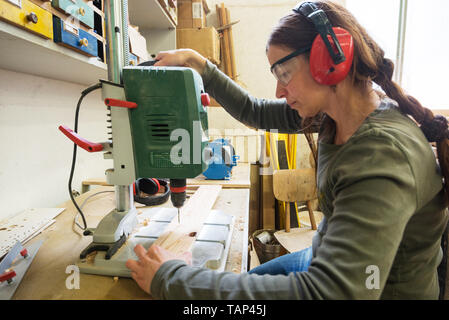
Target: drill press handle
80,141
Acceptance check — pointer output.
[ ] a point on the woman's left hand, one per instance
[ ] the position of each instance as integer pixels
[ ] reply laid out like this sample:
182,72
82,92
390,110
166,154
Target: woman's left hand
144,269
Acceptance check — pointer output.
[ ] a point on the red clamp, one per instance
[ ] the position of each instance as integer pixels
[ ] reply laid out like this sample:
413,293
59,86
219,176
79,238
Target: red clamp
120,103
81,142
7,276
24,253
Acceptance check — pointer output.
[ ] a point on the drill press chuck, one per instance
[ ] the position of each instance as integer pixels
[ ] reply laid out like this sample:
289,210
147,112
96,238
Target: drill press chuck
178,192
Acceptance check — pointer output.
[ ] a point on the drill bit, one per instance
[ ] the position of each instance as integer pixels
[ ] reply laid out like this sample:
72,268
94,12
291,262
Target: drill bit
179,221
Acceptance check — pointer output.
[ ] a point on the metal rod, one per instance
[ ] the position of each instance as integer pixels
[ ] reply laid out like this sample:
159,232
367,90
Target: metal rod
123,198
401,42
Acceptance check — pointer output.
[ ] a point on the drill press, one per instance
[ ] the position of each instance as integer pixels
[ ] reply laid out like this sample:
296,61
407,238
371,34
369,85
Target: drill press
158,125
169,126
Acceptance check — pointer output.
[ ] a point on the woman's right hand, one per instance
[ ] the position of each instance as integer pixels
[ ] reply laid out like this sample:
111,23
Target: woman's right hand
183,58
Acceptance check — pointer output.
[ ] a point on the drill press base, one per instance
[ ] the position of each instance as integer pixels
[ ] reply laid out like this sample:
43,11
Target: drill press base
210,249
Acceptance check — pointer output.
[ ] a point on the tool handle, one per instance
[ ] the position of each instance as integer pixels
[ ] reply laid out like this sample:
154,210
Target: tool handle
120,103
205,99
81,142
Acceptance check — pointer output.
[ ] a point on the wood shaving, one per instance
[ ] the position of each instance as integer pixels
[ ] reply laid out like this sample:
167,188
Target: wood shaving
90,258
115,279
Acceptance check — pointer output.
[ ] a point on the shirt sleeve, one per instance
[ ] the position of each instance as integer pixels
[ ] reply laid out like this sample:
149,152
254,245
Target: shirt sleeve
374,197
257,113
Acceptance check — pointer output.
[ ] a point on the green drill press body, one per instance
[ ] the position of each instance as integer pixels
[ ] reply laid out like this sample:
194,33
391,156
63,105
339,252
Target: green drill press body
169,120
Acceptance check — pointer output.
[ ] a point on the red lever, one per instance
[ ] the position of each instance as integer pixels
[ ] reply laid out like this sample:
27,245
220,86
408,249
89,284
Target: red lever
81,142
120,103
205,99
7,276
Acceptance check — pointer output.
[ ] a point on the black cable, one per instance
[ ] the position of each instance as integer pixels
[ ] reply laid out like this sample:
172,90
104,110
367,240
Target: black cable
83,94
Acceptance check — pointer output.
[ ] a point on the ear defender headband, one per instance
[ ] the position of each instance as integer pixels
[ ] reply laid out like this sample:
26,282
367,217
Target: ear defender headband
150,186
332,50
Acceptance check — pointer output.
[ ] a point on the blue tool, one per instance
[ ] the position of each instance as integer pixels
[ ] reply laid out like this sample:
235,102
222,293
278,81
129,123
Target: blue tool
221,160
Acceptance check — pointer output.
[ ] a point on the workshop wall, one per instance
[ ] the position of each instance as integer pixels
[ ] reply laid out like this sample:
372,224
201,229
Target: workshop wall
35,156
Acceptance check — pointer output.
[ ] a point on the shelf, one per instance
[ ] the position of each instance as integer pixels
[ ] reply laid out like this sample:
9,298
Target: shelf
149,14
22,51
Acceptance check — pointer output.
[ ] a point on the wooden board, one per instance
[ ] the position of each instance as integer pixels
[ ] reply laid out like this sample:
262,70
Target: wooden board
295,240
254,199
231,45
179,237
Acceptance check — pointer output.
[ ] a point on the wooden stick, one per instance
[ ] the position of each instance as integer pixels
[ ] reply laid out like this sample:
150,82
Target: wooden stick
287,216
229,25
222,53
231,45
311,216
227,55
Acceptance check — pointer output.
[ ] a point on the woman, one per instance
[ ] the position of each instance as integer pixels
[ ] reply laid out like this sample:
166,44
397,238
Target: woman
379,185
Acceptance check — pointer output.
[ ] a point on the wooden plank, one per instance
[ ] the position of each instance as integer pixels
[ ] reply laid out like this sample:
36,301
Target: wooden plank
295,240
231,45
254,199
179,238
268,202
226,56
289,207
226,42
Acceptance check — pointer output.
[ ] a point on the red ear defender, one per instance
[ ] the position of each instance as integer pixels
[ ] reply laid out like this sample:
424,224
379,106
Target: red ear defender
322,67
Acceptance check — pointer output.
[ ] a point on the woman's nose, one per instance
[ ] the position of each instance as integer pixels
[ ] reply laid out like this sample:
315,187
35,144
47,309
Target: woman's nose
280,91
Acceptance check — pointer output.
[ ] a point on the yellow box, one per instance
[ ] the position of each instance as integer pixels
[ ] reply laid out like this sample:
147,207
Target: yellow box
206,41
27,15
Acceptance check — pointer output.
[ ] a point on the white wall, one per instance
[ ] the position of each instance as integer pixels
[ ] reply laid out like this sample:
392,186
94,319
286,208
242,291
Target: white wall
35,156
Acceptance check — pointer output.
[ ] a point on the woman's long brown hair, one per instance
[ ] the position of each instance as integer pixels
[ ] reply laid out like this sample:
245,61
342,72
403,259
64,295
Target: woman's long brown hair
295,31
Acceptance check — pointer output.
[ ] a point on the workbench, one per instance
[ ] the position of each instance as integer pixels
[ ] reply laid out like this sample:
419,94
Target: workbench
63,242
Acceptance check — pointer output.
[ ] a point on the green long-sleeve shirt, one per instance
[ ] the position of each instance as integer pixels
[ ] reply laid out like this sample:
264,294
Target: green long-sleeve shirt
382,199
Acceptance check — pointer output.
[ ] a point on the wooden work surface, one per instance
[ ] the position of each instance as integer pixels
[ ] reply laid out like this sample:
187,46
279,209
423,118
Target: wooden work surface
63,242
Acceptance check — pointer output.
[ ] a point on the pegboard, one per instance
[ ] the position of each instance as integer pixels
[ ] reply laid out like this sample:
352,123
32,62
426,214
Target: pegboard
22,226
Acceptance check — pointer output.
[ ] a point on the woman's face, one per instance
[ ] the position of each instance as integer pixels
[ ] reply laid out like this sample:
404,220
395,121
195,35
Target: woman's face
302,92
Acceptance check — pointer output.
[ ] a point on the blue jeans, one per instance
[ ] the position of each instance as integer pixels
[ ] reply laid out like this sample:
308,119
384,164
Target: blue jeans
292,262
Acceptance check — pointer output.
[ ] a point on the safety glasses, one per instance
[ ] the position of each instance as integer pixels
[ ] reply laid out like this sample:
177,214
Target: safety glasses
284,69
